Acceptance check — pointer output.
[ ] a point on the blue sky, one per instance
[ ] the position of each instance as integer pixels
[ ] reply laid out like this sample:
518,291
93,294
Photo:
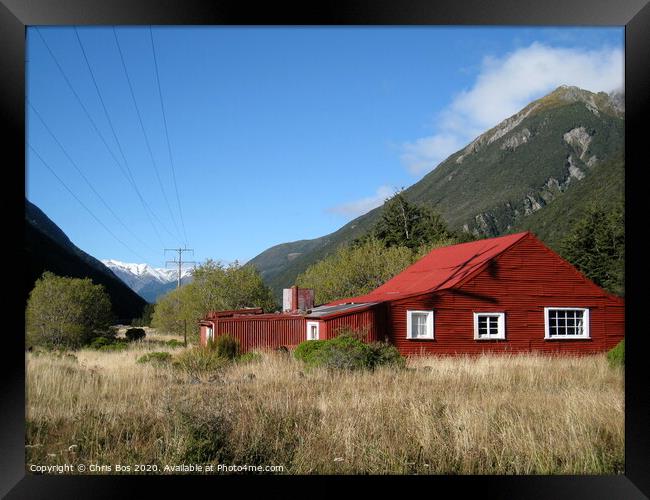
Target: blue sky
275,134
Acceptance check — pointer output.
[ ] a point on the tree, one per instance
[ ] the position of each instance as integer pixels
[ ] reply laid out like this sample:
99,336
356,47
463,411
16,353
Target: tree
215,287
403,223
66,312
355,269
169,314
596,246
230,287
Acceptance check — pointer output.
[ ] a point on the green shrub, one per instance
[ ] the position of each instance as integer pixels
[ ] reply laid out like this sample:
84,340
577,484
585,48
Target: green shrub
107,343
308,351
225,346
199,360
616,356
174,343
133,334
116,346
157,358
66,312
249,357
99,342
347,352
384,354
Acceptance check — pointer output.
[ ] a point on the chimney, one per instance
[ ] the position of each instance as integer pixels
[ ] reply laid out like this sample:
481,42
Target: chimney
296,299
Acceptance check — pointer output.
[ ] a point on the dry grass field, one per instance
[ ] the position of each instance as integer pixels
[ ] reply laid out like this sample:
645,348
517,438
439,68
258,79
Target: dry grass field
485,415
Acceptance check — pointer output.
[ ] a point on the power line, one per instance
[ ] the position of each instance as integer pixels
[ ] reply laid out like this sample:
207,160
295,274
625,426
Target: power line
83,106
144,133
84,205
117,141
169,147
97,131
74,164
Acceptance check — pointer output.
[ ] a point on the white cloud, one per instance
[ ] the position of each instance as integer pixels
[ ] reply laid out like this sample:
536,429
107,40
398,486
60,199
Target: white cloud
419,155
360,207
504,86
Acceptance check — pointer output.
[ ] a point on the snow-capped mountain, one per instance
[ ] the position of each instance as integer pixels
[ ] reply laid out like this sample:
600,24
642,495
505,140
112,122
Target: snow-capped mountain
149,282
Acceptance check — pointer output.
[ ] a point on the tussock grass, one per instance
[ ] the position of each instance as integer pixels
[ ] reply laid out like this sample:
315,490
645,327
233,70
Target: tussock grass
521,414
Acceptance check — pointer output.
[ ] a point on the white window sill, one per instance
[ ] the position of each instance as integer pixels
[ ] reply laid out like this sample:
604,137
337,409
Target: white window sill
568,337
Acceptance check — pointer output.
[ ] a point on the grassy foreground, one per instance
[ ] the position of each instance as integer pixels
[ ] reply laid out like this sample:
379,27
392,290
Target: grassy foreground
485,415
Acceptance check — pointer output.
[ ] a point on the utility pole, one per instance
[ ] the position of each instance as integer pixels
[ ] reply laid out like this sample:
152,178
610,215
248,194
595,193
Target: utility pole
180,261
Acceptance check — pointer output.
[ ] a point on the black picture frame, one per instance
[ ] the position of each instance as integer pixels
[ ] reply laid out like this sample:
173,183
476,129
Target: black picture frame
15,15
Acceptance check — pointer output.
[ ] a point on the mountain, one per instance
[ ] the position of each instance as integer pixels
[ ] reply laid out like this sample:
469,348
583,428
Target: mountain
149,282
49,249
535,170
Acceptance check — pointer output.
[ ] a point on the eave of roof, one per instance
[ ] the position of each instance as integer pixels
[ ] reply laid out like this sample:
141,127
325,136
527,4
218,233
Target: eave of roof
341,312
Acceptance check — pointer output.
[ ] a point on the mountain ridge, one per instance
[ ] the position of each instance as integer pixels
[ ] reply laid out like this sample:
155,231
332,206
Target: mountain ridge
147,281
48,248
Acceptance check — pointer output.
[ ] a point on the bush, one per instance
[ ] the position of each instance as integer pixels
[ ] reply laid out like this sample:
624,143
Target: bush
384,354
115,346
616,356
199,360
107,343
66,312
225,346
99,342
309,351
348,353
133,334
157,358
174,343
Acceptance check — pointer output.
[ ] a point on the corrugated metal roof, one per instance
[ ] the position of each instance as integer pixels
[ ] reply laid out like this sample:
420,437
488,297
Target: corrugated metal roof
440,269
327,310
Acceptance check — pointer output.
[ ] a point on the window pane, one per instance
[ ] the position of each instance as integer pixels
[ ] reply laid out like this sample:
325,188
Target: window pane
419,324
487,325
566,322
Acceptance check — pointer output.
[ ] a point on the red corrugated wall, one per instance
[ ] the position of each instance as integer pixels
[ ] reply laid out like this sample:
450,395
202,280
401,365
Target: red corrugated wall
255,332
371,321
520,282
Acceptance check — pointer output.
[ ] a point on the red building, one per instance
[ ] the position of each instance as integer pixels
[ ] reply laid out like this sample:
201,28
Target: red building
506,294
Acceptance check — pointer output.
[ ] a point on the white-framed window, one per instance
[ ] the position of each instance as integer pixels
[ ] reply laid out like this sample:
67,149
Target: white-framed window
209,334
419,324
566,323
313,328
489,326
